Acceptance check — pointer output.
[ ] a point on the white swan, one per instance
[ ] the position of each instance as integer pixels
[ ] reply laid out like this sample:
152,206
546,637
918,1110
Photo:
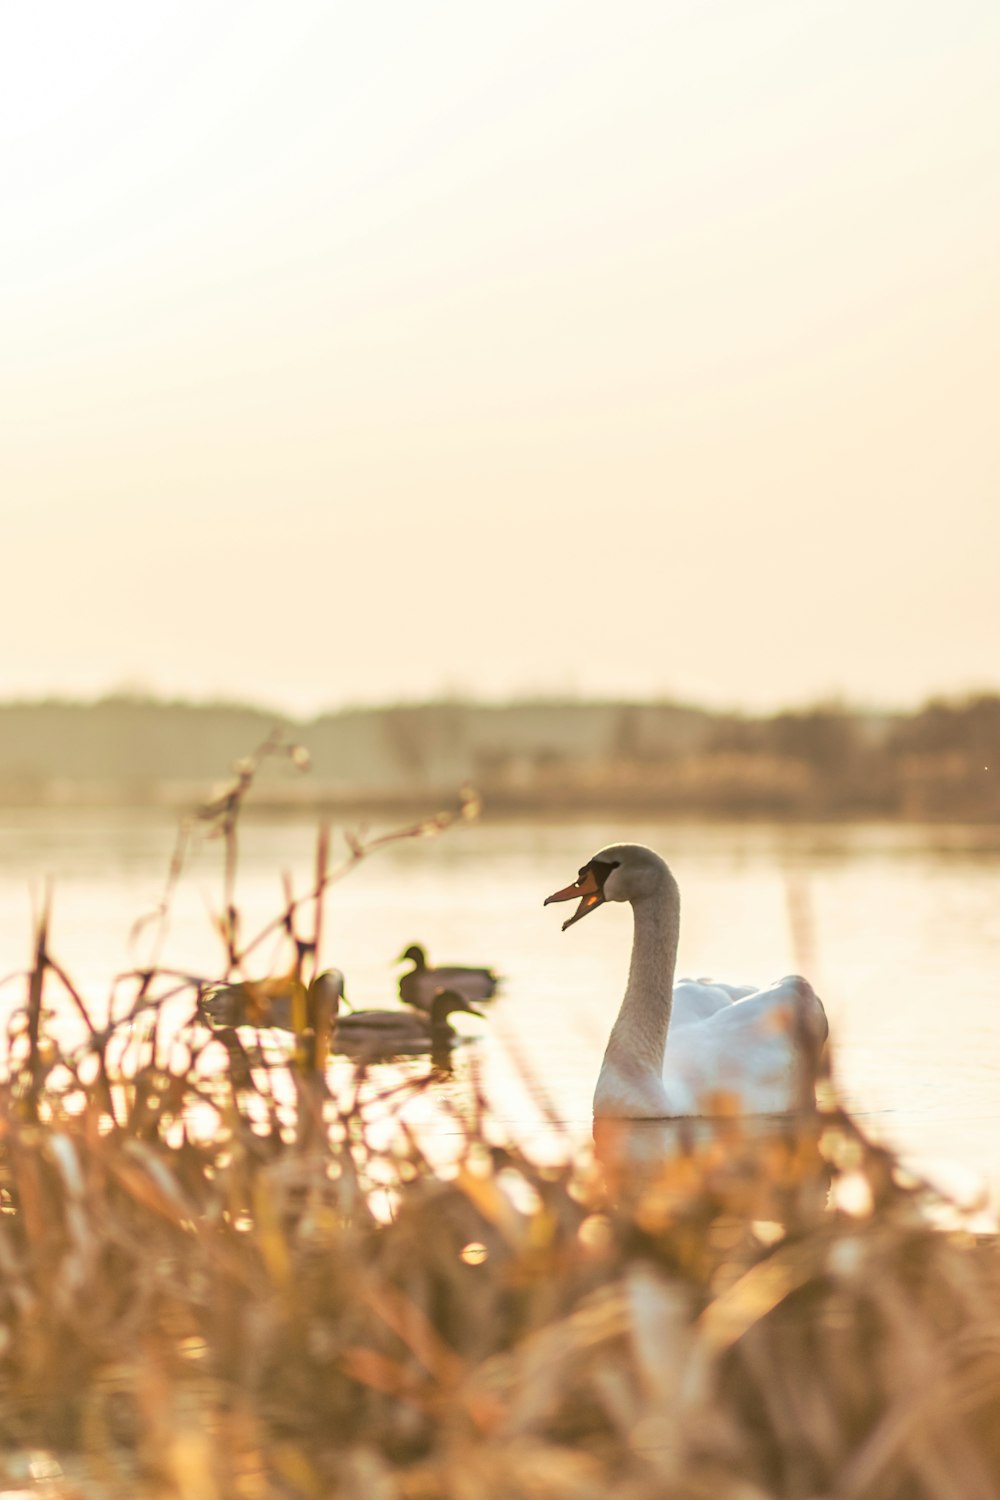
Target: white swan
730,1048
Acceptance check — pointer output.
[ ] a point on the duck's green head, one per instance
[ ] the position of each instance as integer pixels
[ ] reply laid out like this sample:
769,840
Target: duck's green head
446,1003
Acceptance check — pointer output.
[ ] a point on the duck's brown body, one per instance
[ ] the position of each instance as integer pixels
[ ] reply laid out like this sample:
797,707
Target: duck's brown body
419,985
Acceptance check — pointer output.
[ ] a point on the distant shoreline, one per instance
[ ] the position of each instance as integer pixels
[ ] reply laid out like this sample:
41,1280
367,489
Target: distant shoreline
346,806
531,760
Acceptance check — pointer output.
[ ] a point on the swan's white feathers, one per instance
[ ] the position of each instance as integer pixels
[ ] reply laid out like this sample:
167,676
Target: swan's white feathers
730,1049
755,1048
699,1047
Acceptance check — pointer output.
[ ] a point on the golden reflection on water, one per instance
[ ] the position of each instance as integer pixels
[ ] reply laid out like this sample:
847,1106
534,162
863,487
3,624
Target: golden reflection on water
903,925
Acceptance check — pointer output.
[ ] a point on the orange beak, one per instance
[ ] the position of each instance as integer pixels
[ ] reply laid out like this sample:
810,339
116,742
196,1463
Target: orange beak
587,889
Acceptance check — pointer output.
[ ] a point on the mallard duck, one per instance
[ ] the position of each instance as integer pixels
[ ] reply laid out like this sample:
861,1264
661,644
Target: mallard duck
696,1048
419,985
273,1002
389,1033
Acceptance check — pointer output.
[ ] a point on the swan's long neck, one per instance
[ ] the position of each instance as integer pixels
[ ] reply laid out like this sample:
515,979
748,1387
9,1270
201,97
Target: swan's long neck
639,1036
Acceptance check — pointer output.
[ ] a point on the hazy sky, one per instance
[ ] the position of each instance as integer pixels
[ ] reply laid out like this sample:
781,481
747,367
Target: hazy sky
360,351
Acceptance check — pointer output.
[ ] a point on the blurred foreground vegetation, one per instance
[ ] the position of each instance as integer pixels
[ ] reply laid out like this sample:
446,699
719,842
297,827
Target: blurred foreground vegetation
227,1276
569,758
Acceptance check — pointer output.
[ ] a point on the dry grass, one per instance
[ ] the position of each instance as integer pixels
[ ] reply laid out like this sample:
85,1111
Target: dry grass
222,1279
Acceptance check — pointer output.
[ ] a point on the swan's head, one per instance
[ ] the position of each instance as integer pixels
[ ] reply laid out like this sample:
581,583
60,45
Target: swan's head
414,954
619,872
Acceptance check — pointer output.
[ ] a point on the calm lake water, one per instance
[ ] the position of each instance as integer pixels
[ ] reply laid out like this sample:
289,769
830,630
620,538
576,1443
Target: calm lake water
898,927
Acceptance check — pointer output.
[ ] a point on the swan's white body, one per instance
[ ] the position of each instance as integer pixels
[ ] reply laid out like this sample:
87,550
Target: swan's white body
700,1047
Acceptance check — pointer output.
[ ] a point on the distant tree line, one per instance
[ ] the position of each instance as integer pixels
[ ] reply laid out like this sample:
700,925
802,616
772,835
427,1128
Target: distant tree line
942,761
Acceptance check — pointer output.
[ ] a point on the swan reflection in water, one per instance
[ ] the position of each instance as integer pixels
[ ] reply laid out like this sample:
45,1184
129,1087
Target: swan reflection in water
761,1167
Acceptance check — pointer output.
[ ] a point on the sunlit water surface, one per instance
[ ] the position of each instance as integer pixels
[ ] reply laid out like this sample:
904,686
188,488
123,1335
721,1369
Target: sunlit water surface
897,927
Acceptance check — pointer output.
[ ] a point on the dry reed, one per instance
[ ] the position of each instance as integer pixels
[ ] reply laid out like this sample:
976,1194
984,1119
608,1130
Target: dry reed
223,1278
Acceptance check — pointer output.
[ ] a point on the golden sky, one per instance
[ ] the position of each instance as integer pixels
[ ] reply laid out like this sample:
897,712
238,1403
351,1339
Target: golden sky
355,352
